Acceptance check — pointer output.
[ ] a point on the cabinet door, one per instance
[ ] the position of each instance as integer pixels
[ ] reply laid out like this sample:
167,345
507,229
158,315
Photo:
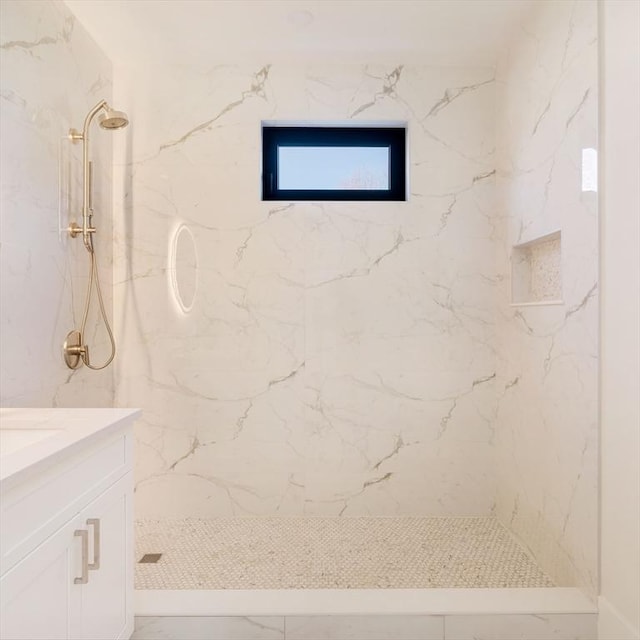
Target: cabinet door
38,597
107,611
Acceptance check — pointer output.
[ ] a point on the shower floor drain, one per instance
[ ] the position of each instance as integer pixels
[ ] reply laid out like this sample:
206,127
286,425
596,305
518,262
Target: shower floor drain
150,558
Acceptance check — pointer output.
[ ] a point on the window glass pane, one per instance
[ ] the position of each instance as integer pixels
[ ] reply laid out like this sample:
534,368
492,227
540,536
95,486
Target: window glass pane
331,168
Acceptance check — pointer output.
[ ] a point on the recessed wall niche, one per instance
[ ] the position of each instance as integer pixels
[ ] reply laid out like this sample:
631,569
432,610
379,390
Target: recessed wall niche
536,271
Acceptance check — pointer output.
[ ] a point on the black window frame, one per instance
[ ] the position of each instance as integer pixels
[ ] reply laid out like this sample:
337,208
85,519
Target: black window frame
393,137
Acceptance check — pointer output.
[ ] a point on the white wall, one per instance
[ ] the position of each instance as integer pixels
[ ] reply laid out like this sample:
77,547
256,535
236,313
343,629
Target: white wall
620,321
51,74
338,358
546,422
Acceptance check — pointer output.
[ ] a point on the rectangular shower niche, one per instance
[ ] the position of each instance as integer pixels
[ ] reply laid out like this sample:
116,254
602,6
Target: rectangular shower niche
536,271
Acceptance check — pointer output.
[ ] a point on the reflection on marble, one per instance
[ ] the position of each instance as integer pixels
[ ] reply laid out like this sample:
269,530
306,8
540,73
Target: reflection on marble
209,628
339,358
522,627
51,74
546,421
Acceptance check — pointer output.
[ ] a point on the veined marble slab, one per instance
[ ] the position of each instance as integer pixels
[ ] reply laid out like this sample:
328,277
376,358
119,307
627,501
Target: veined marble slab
338,358
546,421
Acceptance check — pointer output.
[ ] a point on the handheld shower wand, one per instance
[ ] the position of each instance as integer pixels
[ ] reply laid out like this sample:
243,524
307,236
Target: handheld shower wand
75,349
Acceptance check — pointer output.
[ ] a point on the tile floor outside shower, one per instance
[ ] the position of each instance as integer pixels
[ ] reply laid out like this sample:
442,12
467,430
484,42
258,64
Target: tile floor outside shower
333,553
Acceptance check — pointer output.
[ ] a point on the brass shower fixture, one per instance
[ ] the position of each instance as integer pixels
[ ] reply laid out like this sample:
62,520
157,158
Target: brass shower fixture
108,120
75,349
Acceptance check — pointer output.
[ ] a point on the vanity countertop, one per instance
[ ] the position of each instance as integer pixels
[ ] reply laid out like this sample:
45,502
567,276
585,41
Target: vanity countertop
33,438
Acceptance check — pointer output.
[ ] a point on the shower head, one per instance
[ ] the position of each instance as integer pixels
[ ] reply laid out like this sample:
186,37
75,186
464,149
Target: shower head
112,119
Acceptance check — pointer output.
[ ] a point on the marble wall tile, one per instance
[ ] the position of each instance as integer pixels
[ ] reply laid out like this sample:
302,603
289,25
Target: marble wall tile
546,420
521,627
51,74
365,627
209,628
339,357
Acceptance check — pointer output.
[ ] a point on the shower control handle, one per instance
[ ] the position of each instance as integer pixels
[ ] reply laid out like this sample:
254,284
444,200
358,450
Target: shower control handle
79,350
75,353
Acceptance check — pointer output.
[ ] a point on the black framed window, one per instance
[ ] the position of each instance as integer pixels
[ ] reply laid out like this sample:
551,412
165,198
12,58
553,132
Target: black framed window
333,163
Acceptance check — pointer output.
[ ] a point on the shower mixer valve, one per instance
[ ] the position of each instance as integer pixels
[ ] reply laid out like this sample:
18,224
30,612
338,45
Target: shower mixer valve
74,351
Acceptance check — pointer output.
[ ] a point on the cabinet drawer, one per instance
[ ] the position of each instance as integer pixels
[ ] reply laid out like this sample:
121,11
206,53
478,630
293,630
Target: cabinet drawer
35,509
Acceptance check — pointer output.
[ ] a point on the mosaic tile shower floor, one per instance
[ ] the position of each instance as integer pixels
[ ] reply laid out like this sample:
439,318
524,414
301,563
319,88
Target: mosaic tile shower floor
332,553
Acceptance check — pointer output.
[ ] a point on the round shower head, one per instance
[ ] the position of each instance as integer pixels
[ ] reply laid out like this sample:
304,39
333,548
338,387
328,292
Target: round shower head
112,119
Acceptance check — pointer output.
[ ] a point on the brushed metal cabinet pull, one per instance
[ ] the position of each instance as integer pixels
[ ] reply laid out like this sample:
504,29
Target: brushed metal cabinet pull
84,578
95,523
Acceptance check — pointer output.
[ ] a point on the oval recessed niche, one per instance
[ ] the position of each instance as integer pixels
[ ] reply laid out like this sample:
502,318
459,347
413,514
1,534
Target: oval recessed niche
184,268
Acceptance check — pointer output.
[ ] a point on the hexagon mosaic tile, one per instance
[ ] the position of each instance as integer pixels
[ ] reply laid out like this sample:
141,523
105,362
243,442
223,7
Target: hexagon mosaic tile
335,553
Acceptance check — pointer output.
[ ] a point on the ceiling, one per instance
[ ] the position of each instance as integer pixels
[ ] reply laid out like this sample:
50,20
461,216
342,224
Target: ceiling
438,32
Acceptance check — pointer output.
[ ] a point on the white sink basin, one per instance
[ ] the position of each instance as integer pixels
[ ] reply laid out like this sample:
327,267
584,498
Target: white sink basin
12,440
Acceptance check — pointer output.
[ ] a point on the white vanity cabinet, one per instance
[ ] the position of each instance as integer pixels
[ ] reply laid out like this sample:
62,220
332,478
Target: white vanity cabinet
67,541
38,598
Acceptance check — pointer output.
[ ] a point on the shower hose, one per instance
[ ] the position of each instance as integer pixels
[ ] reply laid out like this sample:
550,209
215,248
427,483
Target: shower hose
94,276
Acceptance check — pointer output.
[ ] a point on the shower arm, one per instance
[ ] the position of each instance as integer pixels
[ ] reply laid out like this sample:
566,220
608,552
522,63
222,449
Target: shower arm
87,213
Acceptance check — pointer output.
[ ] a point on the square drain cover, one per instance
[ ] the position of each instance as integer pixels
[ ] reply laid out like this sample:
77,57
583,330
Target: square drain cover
150,558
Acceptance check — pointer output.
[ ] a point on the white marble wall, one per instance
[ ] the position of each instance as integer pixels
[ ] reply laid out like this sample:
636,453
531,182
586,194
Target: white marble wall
51,74
338,358
546,422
